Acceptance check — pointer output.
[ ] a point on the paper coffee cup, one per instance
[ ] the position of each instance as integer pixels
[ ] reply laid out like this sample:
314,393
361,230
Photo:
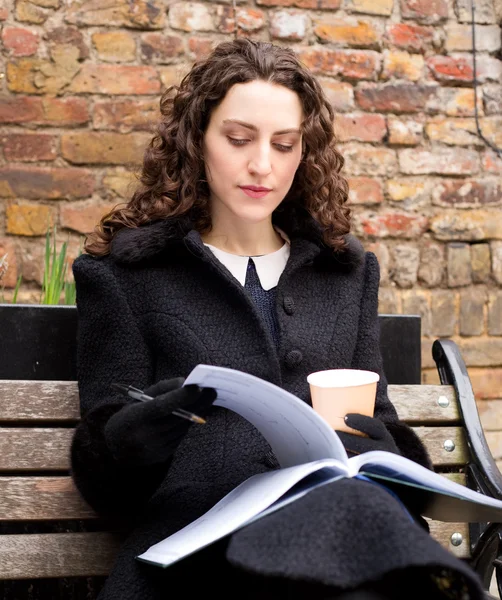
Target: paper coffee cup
338,392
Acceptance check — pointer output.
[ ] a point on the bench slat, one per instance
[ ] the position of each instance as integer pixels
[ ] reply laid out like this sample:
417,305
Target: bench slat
55,401
23,449
35,449
442,533
38,401
418,404
35,556
434,438
41,499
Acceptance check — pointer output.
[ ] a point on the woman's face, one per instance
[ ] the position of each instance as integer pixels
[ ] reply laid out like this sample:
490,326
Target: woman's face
252,149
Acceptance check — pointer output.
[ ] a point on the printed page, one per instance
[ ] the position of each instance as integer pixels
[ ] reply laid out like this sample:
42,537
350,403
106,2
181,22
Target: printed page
448,501
238,508
296,433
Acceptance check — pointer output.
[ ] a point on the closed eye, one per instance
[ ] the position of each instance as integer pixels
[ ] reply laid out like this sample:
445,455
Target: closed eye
239,142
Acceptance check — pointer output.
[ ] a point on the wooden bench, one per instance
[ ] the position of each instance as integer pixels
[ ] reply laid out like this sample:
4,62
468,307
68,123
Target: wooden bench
37,419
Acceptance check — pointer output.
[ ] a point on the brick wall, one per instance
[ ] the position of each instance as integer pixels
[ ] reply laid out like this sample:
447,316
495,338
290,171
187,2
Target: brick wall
80,93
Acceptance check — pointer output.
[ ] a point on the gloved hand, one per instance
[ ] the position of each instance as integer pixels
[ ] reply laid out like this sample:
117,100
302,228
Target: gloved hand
378,436
145,433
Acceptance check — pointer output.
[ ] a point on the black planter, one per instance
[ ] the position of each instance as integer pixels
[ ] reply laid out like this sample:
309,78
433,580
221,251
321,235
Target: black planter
38,342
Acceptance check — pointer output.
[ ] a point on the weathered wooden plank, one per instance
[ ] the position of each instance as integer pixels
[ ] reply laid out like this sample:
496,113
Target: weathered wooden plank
418,404
35,556
58,401
31,449
26,449
442,533
434,439
41,499
38,401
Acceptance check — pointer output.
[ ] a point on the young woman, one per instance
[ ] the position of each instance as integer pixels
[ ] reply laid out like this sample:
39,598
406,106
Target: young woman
235,251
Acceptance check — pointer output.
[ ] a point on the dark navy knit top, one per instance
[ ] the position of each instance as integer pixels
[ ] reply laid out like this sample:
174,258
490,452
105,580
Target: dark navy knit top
264,300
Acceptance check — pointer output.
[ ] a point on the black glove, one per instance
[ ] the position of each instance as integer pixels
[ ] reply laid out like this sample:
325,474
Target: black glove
378,436
145,433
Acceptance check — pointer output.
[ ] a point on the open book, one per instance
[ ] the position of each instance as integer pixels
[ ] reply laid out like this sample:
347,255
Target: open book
310,454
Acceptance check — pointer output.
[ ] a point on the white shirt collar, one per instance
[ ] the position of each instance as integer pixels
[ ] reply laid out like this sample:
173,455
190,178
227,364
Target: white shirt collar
269,267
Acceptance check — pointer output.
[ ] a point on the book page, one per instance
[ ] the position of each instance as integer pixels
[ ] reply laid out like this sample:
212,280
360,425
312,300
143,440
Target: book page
296,433
240,507
448,500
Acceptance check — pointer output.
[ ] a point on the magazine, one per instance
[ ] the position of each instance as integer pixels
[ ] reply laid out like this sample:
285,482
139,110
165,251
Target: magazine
310,454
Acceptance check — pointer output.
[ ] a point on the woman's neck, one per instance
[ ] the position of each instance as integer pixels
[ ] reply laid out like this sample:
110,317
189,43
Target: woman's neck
244,240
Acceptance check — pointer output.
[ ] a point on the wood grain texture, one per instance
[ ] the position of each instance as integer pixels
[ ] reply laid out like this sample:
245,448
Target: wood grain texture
41,499
34,449
38,401
442,533
34,556
418,404
434,438
58,401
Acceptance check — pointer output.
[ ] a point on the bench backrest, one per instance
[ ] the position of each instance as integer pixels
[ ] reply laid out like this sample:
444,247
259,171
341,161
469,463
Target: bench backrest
36,426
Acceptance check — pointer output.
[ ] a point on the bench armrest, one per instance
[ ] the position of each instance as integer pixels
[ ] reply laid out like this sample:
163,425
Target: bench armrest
452,371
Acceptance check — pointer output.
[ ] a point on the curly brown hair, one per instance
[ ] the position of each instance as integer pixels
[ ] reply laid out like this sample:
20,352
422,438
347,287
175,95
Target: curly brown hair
172,180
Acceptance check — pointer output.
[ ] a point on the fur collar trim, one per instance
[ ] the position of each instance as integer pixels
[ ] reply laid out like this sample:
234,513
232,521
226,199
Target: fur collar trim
134,245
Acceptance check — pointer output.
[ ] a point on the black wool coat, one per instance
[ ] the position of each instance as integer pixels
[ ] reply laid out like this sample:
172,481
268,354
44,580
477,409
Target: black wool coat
155,307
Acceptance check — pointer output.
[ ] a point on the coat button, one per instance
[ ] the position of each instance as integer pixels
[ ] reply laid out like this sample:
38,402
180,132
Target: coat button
293,358
289,305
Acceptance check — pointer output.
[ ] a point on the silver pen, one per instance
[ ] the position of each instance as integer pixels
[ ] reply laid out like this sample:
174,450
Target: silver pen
137,394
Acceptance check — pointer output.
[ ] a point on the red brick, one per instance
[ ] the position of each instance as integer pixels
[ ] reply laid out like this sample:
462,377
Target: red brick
430,11
348,31
116,79
361,127
402,65
191,16
10,276
29,218
365,190
339,93
395,97
29,147
50,183
409,36
161,48
391,224
68,36
20,109
467,193
352,64
126,115
4,13
440,160
250,19
405,131
91,147
487,383
135,14
289,25
491,162
449,69
201,48
366,160
19,41
64,112
82,217
330,4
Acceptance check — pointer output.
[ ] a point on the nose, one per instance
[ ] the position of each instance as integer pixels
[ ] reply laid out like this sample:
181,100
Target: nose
259,162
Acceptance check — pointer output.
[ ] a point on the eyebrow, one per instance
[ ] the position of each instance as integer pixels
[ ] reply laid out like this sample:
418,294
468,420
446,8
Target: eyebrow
254,128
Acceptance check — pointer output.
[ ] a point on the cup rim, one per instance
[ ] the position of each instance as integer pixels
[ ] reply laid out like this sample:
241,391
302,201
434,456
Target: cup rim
370,377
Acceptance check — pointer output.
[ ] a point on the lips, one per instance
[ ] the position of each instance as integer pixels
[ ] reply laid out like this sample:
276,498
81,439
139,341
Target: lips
255,188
